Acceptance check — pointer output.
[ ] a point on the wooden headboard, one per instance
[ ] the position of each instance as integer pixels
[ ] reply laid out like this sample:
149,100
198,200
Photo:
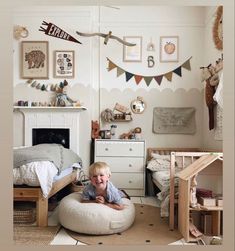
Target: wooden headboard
167,151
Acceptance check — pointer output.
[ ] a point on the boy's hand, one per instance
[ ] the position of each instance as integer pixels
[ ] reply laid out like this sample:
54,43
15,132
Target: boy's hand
100,199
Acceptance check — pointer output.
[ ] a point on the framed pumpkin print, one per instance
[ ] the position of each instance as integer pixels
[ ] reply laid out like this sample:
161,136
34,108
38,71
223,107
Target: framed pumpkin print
132,53
64,64
34,60
169,49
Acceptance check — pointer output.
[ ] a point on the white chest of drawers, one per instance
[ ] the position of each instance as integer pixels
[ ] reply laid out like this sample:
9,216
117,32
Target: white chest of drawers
126,159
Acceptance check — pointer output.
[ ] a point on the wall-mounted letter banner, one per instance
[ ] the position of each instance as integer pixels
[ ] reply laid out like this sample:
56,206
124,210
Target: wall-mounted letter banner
148,79
55,31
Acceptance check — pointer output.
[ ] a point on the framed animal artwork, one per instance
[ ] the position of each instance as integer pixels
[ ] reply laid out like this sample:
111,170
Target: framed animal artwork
169,49
64,64
34,60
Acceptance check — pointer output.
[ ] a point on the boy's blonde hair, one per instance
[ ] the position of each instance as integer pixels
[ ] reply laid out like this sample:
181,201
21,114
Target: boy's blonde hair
96,167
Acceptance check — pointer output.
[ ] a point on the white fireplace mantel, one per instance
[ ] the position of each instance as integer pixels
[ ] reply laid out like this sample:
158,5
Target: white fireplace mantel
51,117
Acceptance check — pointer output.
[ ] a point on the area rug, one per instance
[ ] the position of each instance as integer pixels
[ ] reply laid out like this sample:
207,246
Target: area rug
148,228
32,235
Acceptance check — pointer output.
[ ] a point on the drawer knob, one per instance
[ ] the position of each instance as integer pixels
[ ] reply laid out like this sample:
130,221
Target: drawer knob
130,165
130,181
21,193
130,149
106,149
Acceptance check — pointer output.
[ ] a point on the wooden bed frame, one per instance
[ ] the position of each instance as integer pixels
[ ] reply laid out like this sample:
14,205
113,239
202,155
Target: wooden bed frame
35,194
192,153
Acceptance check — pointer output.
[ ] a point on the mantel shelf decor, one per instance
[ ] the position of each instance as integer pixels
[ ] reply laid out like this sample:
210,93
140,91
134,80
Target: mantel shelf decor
148,79
71,108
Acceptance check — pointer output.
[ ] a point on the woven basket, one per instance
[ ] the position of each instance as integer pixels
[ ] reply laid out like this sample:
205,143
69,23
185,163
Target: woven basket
76,187
24,213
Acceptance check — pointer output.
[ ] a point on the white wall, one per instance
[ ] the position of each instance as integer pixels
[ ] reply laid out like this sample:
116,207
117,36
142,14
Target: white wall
99,89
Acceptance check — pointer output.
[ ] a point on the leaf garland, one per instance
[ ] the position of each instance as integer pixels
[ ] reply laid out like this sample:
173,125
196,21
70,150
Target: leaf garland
148,79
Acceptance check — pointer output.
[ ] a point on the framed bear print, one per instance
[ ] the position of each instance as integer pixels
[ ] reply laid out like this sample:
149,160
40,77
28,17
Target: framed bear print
34,60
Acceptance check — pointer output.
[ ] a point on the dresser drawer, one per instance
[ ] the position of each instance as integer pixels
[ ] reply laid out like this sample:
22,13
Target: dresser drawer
119,148
123,164
128,180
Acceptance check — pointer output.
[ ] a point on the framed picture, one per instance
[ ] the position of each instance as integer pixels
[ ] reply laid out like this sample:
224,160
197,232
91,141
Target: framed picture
34,59
132,53
64,64
169,49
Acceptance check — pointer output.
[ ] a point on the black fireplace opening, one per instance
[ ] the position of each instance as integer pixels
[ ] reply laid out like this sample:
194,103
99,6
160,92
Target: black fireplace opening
51,135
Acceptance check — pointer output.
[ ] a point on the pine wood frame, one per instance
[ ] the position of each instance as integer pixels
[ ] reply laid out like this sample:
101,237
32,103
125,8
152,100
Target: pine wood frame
176,152
35,194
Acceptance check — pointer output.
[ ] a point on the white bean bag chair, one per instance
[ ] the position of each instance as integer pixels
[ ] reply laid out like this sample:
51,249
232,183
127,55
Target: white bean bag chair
94,218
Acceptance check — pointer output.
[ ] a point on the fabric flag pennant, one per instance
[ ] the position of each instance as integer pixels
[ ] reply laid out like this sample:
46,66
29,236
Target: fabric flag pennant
178,71
120,71
168,76
138,78
158,79
128,76
187,65
111,66
148,80
55,31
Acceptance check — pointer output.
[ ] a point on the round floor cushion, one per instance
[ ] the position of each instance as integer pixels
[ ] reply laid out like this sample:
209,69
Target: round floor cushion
94,218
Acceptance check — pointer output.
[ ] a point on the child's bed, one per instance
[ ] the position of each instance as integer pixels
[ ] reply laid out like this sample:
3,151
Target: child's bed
164,164
39,180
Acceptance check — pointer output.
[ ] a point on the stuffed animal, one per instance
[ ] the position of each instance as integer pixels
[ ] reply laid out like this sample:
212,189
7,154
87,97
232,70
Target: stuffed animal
95,129
107,115
62,98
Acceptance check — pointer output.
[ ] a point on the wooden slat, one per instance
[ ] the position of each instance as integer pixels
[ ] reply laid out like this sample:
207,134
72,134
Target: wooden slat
183,205
197,166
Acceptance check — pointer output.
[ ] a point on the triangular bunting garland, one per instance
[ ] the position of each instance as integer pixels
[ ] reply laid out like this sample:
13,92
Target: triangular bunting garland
128,76
158,79
186,65
120,71
148,79
168,76
178,71
138,79
111,66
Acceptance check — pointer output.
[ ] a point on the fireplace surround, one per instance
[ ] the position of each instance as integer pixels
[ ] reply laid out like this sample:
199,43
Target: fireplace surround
46,118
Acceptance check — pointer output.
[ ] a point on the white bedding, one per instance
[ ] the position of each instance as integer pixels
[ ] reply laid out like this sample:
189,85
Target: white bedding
162,178
41,173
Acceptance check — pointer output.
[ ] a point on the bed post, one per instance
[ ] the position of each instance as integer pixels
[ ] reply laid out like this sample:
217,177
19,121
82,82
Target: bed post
42,211
172,192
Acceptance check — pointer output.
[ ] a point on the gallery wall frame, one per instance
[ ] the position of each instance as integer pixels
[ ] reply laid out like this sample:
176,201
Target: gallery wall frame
34,60
169,49
132,53
64,64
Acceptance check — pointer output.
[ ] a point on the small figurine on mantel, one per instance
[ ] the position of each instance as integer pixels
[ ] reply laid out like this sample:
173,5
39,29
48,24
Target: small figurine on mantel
62,98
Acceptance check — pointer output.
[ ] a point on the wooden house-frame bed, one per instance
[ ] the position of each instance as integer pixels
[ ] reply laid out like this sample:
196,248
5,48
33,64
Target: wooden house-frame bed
34,194
183,154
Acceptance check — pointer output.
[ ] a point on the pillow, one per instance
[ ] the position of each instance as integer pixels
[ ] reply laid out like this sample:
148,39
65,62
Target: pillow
159,162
